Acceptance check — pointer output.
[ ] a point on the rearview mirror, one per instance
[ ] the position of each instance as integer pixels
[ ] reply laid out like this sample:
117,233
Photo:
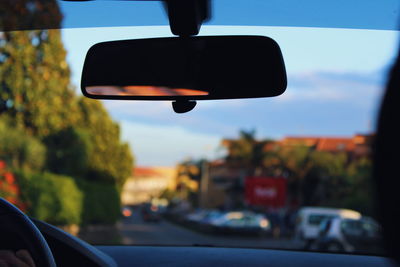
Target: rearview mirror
192,68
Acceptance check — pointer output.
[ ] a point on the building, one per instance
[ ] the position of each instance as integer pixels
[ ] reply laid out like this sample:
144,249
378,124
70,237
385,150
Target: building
221,186
147,183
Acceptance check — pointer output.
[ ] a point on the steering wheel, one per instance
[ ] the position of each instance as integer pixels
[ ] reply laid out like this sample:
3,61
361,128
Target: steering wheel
17,231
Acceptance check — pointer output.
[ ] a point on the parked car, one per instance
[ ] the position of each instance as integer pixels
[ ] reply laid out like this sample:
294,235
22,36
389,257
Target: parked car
196,216
310,218
150,213
210,216
241,222
349,235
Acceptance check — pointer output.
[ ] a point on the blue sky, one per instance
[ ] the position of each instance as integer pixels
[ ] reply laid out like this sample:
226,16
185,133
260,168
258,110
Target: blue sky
363,14
335,80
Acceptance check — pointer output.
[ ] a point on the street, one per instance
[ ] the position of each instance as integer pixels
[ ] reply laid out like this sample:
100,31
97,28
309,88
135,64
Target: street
135,231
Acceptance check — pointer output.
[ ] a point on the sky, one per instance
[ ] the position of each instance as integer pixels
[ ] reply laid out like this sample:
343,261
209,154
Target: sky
335,80
362,14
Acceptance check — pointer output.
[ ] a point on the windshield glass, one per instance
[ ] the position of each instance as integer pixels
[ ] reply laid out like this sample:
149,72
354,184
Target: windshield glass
310,13
231,173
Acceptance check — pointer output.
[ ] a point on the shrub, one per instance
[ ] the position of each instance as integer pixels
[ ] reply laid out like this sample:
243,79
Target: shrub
19,149
68,151
53,198
101,202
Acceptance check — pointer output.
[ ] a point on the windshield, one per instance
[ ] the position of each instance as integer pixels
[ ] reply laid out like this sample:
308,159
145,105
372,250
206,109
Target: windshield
230,173
330,14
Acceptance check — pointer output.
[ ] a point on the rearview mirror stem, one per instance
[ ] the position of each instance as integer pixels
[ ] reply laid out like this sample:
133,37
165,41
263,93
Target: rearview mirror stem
183,106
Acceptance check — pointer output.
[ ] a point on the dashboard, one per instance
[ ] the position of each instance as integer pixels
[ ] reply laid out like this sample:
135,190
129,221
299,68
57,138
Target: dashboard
214,256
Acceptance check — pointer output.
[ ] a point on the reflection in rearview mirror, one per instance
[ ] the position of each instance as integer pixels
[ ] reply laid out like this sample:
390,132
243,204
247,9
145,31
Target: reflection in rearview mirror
143,91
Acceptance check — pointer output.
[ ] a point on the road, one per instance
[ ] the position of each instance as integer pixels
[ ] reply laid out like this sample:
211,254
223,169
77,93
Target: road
135,231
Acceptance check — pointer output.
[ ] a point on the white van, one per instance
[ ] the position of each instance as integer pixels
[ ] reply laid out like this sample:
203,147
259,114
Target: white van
309,219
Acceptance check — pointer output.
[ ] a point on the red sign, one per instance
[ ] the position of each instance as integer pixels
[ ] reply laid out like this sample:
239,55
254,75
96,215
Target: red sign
265,191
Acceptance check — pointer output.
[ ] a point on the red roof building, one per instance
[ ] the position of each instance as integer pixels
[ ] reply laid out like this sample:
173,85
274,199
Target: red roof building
359,145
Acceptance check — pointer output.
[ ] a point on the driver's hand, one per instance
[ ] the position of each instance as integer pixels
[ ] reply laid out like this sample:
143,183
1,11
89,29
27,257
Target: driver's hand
21,258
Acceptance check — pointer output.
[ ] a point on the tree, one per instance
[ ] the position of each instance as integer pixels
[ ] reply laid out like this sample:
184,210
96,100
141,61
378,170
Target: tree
35,85
295,163
69,151
325,179
82,143
358,192
247,151
50,197
189,175
19,150
35,92
29,15
110,159
295,160
34,75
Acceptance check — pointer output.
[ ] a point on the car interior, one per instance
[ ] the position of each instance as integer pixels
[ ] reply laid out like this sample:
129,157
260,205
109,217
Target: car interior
188,70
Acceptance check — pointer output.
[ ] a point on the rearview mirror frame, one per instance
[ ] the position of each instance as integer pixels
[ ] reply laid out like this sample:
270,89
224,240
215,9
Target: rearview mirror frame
103,59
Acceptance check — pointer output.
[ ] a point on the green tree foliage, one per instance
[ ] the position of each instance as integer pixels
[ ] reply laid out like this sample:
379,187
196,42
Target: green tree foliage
35,86
247,151
190,169
169,194
189,178
20,150
52,198
110,159
47,127
101,203
325,178
92,148
69,151
295,160
358,192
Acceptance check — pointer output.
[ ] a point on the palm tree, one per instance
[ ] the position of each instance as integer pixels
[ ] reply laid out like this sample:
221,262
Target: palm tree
247,152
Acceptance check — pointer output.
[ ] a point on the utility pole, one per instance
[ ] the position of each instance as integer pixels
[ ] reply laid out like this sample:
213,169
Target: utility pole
204,181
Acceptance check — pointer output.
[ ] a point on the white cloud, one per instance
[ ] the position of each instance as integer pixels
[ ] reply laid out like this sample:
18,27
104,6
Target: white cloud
334,87
161,113
155,145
